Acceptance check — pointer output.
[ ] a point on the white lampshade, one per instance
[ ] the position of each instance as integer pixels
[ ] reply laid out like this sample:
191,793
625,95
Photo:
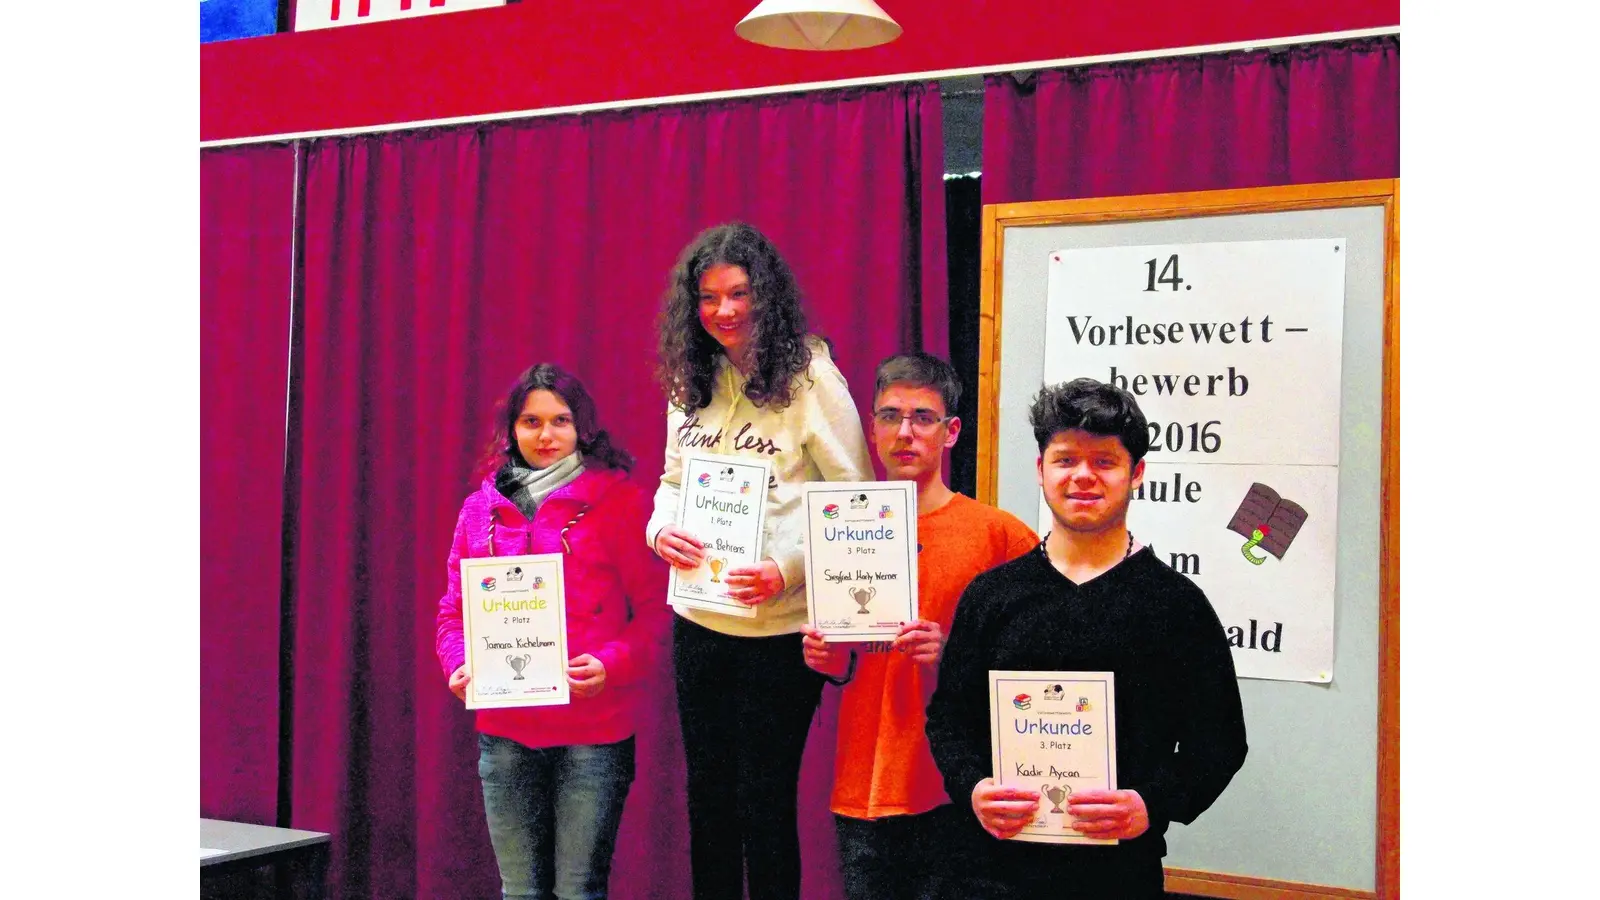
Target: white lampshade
818,24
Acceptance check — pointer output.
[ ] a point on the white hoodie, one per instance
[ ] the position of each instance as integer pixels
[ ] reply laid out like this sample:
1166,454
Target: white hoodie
817,437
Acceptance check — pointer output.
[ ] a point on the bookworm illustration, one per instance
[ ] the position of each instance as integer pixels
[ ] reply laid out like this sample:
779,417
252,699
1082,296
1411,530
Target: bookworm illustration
1269,521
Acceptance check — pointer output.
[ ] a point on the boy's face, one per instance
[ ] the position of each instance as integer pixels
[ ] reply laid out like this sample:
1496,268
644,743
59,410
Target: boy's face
912,449
1088,480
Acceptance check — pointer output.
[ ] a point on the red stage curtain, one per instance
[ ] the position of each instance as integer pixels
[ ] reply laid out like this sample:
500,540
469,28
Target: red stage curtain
246,228
1322,112
437,266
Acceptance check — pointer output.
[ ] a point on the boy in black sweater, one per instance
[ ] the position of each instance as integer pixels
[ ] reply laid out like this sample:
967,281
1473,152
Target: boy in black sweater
1089,598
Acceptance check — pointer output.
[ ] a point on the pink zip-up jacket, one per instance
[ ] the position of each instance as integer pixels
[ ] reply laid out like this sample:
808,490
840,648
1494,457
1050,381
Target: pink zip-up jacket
616,600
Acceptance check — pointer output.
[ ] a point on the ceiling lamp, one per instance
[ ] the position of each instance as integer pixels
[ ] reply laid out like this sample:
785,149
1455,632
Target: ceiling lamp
818,25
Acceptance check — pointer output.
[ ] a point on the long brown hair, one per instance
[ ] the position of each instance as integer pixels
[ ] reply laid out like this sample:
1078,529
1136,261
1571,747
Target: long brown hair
688,355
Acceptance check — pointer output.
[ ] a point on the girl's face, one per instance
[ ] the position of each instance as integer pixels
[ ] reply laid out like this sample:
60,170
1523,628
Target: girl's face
725,309
546,433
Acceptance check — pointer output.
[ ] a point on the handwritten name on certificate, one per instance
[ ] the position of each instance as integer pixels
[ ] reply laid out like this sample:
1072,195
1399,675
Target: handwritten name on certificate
1053,732
514,620
861,558
724,505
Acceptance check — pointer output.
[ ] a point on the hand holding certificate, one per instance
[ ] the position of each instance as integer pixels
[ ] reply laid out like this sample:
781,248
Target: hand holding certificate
724,502
514,624
1055,733
861,562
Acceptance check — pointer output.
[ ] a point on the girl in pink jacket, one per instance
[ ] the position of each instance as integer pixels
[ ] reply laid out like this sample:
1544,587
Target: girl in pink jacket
555,777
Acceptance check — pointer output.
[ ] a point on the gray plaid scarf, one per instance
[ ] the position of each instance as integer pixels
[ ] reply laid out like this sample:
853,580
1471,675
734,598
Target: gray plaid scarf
527,487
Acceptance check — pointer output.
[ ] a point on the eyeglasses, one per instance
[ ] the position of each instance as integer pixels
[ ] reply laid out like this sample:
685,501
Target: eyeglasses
922,421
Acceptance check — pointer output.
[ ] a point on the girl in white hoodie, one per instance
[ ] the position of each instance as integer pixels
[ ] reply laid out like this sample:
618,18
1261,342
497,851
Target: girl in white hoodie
744,378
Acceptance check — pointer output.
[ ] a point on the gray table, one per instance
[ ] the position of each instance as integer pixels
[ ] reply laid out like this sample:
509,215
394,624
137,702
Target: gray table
230,852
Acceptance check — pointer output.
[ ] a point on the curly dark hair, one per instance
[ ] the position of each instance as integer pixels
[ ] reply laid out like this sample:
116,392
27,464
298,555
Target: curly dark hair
594,442
1103,410
688,355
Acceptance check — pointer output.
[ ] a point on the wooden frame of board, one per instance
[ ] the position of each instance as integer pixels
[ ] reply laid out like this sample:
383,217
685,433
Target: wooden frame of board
1386,193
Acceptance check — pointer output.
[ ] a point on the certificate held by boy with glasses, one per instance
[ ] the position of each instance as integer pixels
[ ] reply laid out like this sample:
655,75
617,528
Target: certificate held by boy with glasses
861,558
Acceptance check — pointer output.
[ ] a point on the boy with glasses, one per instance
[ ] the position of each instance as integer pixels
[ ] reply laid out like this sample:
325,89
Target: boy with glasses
893,818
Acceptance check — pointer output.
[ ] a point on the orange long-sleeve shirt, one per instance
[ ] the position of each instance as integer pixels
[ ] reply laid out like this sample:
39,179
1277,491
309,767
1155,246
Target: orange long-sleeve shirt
883,766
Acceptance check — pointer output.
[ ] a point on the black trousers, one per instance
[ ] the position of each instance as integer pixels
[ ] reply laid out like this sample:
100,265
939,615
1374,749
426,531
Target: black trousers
745,706
986,868
898,857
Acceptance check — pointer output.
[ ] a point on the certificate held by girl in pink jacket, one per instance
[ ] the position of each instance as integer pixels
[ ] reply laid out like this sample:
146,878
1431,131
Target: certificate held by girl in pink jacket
514,618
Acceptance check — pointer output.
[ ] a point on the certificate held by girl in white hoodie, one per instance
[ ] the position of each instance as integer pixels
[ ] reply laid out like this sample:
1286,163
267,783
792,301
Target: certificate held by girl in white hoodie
723,504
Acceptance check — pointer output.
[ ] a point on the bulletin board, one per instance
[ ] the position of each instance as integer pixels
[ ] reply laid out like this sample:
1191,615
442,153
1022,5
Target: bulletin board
1314,812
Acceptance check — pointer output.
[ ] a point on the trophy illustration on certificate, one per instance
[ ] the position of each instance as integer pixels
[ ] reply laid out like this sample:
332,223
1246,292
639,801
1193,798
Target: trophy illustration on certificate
1056,794
1054,745
861,561
517,664
522,621
718,507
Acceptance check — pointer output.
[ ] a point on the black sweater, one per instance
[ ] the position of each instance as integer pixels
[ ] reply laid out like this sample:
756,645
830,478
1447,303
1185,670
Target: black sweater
1180,728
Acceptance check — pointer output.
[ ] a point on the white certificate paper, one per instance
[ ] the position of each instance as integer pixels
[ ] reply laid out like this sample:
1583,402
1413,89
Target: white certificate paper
724,505
514,621
1053,732
861,558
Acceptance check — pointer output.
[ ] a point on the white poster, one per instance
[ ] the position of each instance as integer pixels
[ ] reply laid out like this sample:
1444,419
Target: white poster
1233,351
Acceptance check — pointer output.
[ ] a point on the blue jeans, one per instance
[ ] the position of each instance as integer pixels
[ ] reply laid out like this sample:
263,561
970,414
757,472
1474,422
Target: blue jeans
553,814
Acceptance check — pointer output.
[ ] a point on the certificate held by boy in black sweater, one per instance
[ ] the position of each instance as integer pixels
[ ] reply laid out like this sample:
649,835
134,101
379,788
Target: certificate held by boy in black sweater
1053,732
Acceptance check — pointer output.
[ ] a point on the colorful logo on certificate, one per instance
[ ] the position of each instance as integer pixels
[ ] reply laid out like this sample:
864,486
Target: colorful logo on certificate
886,512
704,479
538,582
487,584
744,488
831,511
1084,705
1022,701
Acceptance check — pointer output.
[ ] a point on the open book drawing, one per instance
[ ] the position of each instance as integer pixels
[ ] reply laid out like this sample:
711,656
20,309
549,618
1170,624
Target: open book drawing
1269,521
